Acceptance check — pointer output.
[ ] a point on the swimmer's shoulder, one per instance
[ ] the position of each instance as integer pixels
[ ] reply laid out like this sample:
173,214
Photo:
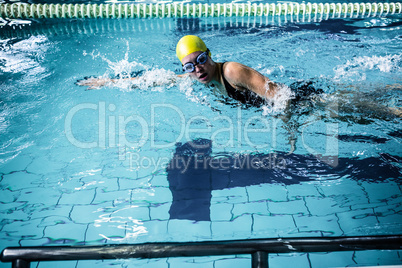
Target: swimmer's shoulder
237,74
232,70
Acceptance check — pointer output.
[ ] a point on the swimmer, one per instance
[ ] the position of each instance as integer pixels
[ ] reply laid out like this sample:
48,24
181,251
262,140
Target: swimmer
233,79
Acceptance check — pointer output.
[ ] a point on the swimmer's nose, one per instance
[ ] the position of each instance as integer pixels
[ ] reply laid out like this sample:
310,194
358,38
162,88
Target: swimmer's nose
200,68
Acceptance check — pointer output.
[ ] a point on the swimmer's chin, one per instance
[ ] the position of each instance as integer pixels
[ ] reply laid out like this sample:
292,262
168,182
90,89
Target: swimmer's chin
203,81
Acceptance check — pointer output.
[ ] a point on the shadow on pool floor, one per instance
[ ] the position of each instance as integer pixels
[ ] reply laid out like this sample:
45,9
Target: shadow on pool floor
193,173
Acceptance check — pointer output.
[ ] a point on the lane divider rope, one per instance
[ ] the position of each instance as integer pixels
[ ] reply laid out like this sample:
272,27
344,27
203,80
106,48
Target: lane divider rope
192,10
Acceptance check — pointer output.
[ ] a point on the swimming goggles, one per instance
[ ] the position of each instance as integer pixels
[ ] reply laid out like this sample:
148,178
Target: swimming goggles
189,67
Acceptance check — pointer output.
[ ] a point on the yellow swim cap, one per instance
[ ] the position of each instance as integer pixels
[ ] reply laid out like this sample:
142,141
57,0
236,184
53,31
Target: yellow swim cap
189,44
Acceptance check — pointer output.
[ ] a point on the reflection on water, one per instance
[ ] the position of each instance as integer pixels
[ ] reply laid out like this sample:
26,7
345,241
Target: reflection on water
125,219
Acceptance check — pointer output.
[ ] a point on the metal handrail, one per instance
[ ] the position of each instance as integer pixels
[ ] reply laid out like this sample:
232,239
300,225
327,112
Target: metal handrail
258,248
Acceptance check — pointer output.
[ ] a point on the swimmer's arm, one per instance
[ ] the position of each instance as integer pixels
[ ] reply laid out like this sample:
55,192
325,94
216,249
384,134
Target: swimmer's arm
98,82
247,78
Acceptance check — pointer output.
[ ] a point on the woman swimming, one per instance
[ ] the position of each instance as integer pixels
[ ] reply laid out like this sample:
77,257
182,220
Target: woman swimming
233,79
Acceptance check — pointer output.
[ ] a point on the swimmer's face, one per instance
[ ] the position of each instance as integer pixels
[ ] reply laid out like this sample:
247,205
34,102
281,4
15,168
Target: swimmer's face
202,72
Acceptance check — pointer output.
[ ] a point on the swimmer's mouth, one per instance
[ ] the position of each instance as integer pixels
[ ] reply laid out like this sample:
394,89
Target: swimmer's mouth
203,76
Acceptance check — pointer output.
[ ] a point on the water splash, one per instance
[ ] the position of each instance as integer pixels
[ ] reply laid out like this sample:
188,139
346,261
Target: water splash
356,69
122,68
279,102
155,80
25,56
133,75
186,86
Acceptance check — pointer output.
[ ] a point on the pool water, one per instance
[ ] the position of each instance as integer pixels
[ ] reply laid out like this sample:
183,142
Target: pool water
97,166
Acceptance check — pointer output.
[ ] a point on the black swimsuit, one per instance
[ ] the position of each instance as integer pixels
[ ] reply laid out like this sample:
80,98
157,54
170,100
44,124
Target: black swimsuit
245,97
303,90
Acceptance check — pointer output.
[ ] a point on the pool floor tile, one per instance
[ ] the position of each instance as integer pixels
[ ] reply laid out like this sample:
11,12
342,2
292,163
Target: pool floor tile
328,224
131,183
9,207
95,180
44,165
66,185
358,222
289,207
19,229
142,195
94,263
147,172
386,209
102,196
58,264
381,257
52,211
321,206
157,231
297,191
131,213
333,259
19,163
35,196
26,242
150,263
182,230
272,192
232,195
159,211
273,225
296,260
66,231
20,180
104,230
221,212
391,223
79,197
233,262
260,208
337,187
15,211
8,196
85,214
159,195
119,172
159,180
189,262
237,227
377,192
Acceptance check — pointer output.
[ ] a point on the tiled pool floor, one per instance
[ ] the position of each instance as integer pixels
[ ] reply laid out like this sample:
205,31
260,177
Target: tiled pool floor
114,204
122,210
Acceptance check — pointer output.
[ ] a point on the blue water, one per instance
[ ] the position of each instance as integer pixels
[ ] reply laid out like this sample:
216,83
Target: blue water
87,167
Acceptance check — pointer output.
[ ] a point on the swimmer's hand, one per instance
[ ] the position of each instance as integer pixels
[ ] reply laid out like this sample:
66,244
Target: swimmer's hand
94,82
